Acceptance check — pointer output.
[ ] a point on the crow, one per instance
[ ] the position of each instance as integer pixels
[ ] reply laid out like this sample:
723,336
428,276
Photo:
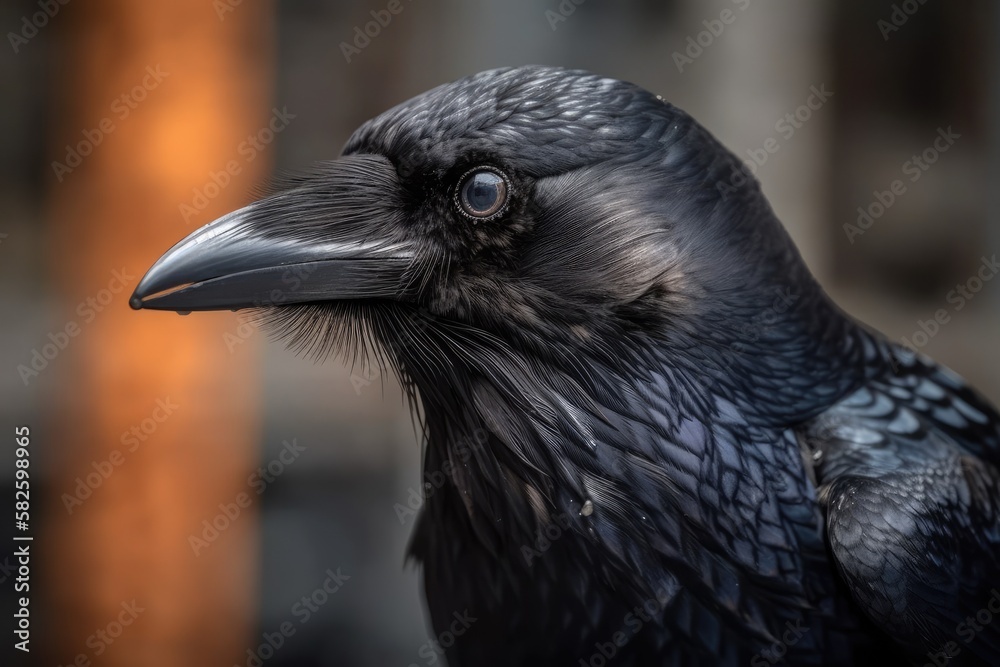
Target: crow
650,438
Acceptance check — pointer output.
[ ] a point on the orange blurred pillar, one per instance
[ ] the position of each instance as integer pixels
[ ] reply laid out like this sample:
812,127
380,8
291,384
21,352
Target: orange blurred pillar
152,102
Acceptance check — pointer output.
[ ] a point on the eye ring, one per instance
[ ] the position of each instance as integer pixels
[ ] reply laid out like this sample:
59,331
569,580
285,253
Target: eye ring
483,193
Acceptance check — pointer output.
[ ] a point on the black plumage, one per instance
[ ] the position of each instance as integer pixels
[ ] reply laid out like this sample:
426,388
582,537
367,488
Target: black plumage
662,443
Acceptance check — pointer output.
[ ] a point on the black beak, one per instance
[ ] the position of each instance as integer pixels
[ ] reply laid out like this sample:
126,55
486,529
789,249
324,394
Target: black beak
330,236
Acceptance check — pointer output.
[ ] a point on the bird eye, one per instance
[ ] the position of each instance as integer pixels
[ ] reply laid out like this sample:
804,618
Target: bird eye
482,193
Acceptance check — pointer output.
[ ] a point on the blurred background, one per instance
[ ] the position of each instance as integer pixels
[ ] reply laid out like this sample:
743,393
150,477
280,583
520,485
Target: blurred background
203,498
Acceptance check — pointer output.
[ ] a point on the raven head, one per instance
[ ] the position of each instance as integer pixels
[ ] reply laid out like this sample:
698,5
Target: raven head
535,210
533,250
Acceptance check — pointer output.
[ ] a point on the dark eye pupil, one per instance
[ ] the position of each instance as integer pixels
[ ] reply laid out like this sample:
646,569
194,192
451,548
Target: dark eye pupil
483,193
